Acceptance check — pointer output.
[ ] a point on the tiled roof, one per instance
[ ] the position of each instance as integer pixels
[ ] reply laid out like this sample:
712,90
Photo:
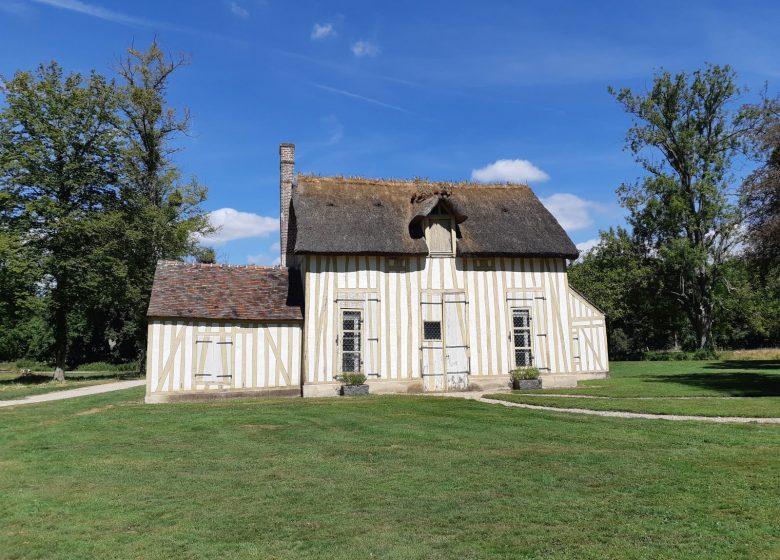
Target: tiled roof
214,291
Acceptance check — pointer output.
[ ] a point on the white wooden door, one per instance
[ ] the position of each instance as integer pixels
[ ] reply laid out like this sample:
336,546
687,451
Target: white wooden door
432,347
456,349
444,348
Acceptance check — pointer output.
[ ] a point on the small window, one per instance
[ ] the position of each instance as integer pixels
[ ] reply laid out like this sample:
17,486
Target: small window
439,236
521,337
396,264
432,330
483,264
351,351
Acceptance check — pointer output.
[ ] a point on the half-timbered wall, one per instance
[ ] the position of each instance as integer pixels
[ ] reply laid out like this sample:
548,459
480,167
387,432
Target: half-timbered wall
390,291
185,355
589,335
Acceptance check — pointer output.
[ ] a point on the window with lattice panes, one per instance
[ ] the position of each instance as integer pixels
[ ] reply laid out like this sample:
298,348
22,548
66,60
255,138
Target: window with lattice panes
521,337
432,330
351,341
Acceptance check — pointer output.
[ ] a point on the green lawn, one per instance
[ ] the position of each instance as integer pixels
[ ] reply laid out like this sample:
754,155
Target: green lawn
657,388
378,477
735,378
16,386
747,406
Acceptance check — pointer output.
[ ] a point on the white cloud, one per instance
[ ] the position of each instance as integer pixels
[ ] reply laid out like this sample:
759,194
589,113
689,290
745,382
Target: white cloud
571,211
364,48
322,31
238,10
587,245
509,171
233,225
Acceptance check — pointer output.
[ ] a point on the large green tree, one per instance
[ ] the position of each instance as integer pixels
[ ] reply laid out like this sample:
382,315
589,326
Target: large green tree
685,135
761,190
623,281
163,212
58,173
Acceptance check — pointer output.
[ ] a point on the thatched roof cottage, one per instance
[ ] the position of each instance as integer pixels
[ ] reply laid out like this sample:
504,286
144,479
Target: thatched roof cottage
421,286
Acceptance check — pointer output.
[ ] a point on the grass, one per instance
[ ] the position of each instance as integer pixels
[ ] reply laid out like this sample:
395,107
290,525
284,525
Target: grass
13,385
687,388
378,477
729,378
744,406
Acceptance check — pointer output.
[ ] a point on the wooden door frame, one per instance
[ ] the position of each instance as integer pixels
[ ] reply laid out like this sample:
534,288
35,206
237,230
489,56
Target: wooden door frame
439,295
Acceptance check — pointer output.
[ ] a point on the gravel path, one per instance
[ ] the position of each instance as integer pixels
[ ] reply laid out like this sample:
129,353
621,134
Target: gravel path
570,396
73,393
616,414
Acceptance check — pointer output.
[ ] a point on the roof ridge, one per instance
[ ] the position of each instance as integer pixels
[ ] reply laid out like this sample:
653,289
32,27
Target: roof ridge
417,181
170,262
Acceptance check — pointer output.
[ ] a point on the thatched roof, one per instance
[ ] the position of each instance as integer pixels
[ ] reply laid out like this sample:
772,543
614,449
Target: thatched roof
225,292
340,215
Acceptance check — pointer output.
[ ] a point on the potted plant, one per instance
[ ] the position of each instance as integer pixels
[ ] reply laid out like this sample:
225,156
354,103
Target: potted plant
525,378
353,384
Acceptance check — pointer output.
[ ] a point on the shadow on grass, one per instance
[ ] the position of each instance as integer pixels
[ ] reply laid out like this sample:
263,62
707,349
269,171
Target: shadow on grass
737,383
38,379
746,365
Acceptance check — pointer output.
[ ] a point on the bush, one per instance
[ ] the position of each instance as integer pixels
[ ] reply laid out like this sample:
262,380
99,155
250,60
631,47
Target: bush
678,355
32,365
520,373
353,378
105,366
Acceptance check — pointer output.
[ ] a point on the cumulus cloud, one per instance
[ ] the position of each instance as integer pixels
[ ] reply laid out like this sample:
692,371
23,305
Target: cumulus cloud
571,211
238,10
587,245
364,48
322,31
232,224
273,257
509,171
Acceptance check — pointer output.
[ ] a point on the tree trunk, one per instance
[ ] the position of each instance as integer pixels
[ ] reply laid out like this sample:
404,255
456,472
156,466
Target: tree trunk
60,329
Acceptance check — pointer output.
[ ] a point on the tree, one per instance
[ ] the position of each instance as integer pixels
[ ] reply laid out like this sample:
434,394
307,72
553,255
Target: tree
761,190
58,175
685,136
163,214
621,280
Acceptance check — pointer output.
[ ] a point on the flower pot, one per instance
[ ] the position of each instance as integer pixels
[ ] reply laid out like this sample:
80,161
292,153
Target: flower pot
527,384
354,390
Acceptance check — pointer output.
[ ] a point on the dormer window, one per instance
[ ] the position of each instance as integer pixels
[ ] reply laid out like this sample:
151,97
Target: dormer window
440,234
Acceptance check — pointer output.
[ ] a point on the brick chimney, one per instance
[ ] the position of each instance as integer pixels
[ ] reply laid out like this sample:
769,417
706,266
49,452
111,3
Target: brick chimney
287,228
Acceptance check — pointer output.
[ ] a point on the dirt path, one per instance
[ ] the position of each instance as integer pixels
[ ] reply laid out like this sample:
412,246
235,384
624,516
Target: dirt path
73,393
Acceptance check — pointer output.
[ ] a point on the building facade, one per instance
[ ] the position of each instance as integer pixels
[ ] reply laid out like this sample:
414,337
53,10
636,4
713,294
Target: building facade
421,286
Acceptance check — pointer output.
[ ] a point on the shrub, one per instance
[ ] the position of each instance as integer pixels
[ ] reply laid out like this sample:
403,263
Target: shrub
520,373
678,355
32,365
353,378
105,366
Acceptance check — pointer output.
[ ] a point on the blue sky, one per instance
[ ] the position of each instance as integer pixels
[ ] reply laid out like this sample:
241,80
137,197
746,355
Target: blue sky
440,89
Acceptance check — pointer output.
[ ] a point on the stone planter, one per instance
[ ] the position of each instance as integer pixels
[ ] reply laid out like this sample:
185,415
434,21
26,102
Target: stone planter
527,384
354,390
